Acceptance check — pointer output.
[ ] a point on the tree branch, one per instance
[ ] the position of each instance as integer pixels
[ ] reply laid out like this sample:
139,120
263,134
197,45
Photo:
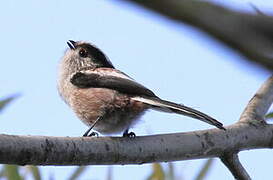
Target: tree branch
41,150
243,135
248,34
231,160
259,104
253,114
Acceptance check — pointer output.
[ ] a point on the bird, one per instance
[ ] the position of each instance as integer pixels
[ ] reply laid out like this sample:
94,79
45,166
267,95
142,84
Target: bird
105,98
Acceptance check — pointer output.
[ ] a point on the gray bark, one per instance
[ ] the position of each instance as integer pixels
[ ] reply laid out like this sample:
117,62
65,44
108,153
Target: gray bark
231,160
41,150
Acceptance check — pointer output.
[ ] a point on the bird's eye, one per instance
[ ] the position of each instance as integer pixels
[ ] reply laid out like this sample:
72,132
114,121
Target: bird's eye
83,53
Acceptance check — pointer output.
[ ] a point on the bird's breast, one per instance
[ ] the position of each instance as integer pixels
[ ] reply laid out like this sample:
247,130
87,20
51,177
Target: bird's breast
117,111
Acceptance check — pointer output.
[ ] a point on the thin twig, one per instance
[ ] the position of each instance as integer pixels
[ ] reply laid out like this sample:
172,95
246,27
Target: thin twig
256,9
231,160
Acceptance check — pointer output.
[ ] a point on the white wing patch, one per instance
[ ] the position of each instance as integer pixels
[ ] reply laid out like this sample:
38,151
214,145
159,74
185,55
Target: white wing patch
159,105
108,72
147,101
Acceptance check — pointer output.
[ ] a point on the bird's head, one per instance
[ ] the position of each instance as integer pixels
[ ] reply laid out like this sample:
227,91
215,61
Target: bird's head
81,55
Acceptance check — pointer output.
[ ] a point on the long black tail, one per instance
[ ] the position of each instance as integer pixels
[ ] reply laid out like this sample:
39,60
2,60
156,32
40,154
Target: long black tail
167,106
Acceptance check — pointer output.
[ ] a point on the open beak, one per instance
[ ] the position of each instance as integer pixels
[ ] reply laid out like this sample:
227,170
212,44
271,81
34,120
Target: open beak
71,44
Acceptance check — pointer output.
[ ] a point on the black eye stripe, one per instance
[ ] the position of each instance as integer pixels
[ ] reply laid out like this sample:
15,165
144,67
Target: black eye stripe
91,51
97,55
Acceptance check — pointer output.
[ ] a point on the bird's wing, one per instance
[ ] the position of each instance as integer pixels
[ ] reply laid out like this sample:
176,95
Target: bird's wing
109,78
113,79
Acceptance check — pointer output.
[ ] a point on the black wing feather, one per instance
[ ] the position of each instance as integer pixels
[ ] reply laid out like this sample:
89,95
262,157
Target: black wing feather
123,85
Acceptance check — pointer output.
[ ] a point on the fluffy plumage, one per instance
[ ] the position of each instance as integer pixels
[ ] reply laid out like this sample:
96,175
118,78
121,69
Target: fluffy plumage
101,94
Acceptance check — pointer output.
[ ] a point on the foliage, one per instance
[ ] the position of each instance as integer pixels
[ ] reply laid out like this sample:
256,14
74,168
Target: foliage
6,101
78,171
158,172
269,116
204,170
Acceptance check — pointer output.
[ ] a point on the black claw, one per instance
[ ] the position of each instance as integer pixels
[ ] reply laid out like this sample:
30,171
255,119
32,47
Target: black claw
93,134
129,134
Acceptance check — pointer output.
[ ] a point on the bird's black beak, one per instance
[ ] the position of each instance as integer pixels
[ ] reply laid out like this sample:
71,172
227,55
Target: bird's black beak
71,44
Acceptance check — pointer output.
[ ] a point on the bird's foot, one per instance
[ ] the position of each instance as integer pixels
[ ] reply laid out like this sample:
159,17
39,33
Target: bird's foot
129,134
91,134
